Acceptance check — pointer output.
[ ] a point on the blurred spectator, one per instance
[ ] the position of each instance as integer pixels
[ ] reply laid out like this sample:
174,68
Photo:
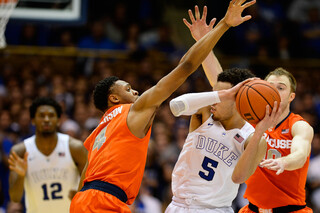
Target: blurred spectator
313,179
298,10
311,32
97,38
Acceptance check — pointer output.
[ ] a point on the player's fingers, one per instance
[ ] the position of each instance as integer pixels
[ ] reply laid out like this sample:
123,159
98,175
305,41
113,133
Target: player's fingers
14,155
279,171
204,13
212,22
196,11
11,167
11,162
248,4
191,16
240,2
246,18
25,157
265,162
186,23
267,110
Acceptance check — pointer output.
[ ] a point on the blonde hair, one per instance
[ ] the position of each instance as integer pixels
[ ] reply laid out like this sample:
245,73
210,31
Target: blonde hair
279,72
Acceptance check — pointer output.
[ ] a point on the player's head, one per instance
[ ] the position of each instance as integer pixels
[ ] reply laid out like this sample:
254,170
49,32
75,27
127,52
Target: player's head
112,91
45,113
285,82
227,79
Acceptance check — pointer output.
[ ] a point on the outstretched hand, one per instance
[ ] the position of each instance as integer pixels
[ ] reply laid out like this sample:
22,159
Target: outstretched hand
230,94
198,26
17,164
277,165
233,16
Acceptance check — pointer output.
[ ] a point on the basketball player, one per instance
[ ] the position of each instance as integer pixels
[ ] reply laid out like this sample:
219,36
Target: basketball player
278,183
118,146
47,166
201,179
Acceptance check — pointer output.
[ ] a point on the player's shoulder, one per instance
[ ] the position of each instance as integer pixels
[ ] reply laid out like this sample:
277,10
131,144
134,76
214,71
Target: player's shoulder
19,148
74,143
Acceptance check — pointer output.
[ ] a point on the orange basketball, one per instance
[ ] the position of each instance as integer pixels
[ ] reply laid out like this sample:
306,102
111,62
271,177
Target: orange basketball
253,98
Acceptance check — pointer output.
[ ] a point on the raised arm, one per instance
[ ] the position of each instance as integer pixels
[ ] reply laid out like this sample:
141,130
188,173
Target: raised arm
18,167
198,29
302,134
255,147
193,58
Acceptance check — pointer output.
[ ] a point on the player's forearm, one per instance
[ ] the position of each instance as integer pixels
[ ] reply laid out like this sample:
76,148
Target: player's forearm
16,187
201,49
188,104
249,160
294,160
212,68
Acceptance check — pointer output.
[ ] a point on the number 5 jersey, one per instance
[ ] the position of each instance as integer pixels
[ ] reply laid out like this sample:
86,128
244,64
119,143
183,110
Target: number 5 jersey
202,175
49,178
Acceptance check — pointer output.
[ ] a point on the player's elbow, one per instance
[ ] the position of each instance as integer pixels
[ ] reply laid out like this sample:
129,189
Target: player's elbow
237,178
176,107
188,66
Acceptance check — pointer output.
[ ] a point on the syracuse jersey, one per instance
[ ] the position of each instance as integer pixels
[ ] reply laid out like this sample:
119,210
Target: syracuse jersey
115,155
267,190
202,175
50,178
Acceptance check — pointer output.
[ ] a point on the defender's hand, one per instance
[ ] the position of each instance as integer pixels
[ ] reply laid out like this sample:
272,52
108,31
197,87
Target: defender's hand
198,26
233,16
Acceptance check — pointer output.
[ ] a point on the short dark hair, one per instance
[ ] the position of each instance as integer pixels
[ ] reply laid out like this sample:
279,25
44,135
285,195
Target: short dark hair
102,92
44,101
235,75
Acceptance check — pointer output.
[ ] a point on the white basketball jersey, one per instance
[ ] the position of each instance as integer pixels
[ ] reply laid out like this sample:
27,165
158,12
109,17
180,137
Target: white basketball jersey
50,178
202,175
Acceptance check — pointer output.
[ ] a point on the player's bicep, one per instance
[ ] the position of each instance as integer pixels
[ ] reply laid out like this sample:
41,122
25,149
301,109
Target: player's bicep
79,153
302,134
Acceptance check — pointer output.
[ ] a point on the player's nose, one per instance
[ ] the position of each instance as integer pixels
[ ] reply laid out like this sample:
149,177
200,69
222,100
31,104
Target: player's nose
135,92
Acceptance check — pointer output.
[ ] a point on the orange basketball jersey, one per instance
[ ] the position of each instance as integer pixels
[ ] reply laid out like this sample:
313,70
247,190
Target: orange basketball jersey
267,190
115,155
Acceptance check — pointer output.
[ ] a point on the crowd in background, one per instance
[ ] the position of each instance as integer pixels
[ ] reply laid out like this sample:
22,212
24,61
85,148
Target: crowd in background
279,29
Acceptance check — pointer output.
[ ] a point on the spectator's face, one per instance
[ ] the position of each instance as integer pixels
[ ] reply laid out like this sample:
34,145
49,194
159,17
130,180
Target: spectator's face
46,120
226,109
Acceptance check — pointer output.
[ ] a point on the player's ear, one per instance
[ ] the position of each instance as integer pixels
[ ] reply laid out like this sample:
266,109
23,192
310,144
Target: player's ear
114,99
292,96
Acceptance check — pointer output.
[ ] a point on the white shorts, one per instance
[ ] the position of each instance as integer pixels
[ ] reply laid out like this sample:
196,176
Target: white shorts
177,208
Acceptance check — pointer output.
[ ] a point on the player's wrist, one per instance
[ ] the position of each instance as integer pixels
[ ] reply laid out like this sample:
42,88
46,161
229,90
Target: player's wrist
225,23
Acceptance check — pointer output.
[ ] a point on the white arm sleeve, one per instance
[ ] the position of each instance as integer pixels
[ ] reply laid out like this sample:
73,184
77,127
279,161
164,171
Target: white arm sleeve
189,104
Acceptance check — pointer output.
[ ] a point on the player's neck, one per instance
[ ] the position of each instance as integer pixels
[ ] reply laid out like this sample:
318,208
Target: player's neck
235,122
46,143
284,114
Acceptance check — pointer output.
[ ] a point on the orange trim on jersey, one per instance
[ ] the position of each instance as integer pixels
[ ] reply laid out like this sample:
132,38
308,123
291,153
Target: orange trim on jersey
267,190
116,155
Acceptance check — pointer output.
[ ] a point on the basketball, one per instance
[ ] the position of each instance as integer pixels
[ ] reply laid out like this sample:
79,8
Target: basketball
252,99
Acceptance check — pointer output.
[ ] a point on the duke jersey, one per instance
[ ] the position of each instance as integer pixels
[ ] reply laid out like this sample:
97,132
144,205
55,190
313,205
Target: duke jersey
202,175
50,178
